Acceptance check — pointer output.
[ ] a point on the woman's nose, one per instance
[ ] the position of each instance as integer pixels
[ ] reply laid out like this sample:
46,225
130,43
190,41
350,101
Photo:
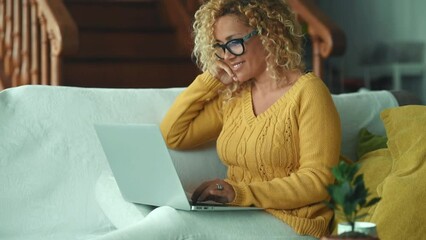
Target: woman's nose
228,55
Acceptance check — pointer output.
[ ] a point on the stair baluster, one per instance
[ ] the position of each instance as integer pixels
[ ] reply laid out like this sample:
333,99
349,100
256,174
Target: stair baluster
34,36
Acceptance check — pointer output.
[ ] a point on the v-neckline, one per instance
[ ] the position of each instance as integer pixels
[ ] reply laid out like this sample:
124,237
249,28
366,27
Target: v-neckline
248,101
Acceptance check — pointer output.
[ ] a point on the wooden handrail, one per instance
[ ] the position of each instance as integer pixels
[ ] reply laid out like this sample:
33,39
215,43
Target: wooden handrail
34,35
327,38
180,18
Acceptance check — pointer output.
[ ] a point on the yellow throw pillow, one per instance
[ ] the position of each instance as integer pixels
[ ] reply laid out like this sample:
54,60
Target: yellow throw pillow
401,213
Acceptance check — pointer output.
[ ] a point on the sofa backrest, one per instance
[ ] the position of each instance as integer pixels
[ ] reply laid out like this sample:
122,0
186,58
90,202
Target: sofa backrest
50,157
361,110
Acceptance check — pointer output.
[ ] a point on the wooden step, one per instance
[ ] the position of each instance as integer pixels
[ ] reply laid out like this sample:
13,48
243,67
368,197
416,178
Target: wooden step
140,45
130,15
129,74
125,44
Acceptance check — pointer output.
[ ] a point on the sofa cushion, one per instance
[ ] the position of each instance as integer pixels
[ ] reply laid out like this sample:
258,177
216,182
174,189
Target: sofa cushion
401,213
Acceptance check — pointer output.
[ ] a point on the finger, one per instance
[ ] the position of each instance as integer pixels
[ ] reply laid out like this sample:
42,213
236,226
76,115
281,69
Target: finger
207,194
220,199
225,73
196,195
199,190
216,196
213,193
226,68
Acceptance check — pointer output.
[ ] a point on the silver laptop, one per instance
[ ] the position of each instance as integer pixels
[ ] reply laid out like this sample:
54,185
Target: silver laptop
144,170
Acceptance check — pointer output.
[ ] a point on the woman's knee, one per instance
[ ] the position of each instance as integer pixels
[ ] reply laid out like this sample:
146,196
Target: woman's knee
169,223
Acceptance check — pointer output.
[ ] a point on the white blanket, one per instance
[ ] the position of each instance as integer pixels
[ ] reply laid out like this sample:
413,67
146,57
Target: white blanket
50,157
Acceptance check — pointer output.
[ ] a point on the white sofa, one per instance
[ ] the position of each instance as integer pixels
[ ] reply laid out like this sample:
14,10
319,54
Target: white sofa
51,159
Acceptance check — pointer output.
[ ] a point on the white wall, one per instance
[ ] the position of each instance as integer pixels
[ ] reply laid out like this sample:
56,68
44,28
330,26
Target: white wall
366,22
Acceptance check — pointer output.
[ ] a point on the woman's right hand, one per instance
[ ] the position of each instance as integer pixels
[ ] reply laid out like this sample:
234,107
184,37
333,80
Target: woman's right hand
224,73
215,190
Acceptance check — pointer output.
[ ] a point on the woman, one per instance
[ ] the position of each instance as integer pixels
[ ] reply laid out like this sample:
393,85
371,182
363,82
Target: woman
277,129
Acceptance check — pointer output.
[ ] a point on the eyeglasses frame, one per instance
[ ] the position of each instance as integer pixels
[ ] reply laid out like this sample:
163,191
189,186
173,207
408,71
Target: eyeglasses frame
239,40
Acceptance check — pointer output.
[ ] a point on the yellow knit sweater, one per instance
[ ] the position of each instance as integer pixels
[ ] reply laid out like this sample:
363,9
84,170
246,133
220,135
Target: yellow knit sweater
279,160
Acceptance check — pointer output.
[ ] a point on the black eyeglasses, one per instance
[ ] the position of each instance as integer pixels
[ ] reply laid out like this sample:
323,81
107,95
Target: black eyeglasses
234,46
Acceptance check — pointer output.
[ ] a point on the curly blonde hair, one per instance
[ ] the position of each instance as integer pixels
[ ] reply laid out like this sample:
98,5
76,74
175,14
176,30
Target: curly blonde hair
279,31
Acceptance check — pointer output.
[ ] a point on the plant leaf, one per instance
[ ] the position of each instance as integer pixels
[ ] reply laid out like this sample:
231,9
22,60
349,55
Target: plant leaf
373,201
359,179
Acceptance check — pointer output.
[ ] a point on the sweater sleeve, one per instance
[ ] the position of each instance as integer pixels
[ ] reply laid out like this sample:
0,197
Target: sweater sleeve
194,118
318,138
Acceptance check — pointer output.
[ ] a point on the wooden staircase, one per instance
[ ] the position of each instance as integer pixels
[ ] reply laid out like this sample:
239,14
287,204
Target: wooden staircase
125,43
120,43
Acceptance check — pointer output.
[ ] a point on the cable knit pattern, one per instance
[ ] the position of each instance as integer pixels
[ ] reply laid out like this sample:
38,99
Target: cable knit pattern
279,160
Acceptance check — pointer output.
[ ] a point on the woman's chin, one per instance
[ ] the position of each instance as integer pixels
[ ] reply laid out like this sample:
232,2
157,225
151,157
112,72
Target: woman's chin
241,79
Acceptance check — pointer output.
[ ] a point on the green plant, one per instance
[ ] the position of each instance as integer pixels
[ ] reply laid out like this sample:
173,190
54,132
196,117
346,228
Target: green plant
348,195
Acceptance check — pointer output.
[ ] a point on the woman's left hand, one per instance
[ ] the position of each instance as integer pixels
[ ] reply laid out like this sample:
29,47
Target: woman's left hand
215,190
